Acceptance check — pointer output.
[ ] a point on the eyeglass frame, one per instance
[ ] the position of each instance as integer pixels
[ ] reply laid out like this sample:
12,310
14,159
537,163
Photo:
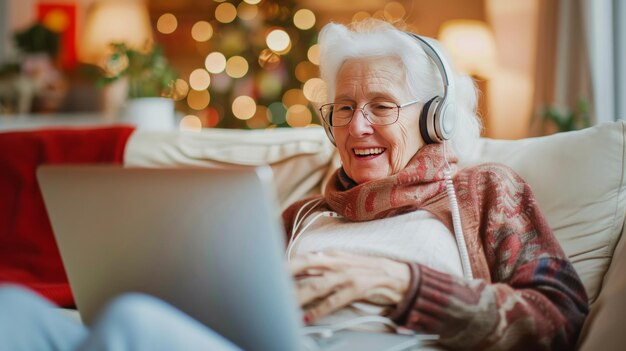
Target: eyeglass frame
354,109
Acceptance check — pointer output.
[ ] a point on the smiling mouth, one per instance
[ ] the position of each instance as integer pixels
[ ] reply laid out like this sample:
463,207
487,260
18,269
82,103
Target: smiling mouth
374,151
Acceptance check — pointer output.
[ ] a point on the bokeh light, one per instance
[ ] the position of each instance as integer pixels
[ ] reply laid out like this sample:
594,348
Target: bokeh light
315,90
190,123
305,70
199,79
277,112
269,85
260,118
233,42
244,107
201,31
236,67
299,116
246,11
293,97
221,82
181,88
278,40
304,19
359,16
313,54
252,2
210,117
380,14
215,62
198,100
394,11
268,59
167,23
56,20
225,12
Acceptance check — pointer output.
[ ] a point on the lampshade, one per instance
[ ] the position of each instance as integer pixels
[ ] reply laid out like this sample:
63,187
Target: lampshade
110,21
471,45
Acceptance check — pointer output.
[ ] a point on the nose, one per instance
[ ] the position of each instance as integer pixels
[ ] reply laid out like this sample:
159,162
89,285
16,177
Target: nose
359,125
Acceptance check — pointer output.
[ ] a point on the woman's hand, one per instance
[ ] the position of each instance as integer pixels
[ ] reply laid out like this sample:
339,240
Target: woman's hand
328,281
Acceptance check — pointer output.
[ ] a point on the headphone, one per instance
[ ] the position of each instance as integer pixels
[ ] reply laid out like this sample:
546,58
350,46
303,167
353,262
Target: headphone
437,118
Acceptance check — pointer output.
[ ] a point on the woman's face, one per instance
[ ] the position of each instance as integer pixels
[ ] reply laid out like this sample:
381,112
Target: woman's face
369,152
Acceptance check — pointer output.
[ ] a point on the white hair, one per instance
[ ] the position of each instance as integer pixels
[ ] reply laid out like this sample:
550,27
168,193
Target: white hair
376,38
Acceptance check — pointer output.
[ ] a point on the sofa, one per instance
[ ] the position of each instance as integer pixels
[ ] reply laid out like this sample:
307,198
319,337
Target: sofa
578,179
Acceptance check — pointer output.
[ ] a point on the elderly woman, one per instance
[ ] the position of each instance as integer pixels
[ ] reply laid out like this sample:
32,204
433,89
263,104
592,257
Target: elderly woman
381,240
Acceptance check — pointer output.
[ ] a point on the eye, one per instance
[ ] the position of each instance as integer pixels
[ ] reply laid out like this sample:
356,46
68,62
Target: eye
382,106
343,108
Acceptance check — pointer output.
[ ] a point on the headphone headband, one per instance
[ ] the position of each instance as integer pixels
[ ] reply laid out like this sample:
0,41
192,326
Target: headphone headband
442,65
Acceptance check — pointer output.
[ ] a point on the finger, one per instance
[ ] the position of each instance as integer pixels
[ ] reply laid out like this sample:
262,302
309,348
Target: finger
332,303
314,261
310,289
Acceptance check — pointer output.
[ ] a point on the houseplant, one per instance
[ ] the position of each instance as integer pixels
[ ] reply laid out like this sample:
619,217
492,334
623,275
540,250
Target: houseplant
148,79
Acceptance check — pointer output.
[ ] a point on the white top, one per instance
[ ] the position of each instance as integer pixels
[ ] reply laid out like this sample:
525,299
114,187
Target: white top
412,237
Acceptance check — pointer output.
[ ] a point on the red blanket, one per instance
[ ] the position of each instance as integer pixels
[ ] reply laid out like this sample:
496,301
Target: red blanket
28,252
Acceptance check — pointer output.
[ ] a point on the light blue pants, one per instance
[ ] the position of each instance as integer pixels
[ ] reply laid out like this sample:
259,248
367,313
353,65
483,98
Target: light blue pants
130,322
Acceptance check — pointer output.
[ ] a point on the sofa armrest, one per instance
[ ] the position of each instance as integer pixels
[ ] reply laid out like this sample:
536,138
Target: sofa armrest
603,328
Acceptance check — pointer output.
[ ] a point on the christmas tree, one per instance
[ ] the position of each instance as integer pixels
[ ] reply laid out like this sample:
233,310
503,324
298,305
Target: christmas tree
260,67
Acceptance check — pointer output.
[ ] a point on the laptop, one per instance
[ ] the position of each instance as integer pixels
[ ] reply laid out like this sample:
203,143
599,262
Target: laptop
207,241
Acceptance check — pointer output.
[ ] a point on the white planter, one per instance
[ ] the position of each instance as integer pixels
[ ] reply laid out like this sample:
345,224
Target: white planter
149,113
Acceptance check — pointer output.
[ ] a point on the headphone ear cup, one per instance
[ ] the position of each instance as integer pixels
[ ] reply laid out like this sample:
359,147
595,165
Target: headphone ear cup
428,121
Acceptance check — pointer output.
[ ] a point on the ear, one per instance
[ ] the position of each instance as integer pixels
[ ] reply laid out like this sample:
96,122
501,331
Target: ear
328,129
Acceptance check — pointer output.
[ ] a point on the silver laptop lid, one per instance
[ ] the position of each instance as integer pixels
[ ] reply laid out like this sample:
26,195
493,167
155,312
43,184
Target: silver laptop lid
188,236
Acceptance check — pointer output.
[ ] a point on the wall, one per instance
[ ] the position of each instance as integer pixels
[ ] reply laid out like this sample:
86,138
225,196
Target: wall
510,92
4,31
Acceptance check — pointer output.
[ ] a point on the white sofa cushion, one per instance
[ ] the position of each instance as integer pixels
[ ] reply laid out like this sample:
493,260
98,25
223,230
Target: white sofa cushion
298,157
578,180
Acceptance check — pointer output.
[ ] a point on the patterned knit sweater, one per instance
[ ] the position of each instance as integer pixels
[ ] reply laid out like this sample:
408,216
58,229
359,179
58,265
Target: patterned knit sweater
525,294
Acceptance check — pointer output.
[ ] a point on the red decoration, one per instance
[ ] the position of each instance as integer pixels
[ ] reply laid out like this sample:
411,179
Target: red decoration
61,18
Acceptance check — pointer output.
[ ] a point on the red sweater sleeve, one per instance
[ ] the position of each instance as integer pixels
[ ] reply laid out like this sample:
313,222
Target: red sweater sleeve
536,299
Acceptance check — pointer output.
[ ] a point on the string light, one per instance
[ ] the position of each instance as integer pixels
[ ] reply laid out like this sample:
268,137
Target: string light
181,88
225,12
260,118
268,59
305,70
304,19
198,100
278,40
202,31
211,116
277,112
298,116
215,62
315,90
167,23
269,85
294,96
246,11
199,79
190,123
394,11
236,67
244,107
359,16
313,54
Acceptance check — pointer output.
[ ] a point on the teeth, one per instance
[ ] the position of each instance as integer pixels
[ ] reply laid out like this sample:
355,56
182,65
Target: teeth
367,152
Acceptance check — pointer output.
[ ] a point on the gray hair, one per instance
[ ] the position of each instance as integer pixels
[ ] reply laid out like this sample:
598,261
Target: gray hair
376,38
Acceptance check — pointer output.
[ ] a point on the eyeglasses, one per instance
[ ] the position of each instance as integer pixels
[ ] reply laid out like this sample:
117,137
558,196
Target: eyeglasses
380,113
